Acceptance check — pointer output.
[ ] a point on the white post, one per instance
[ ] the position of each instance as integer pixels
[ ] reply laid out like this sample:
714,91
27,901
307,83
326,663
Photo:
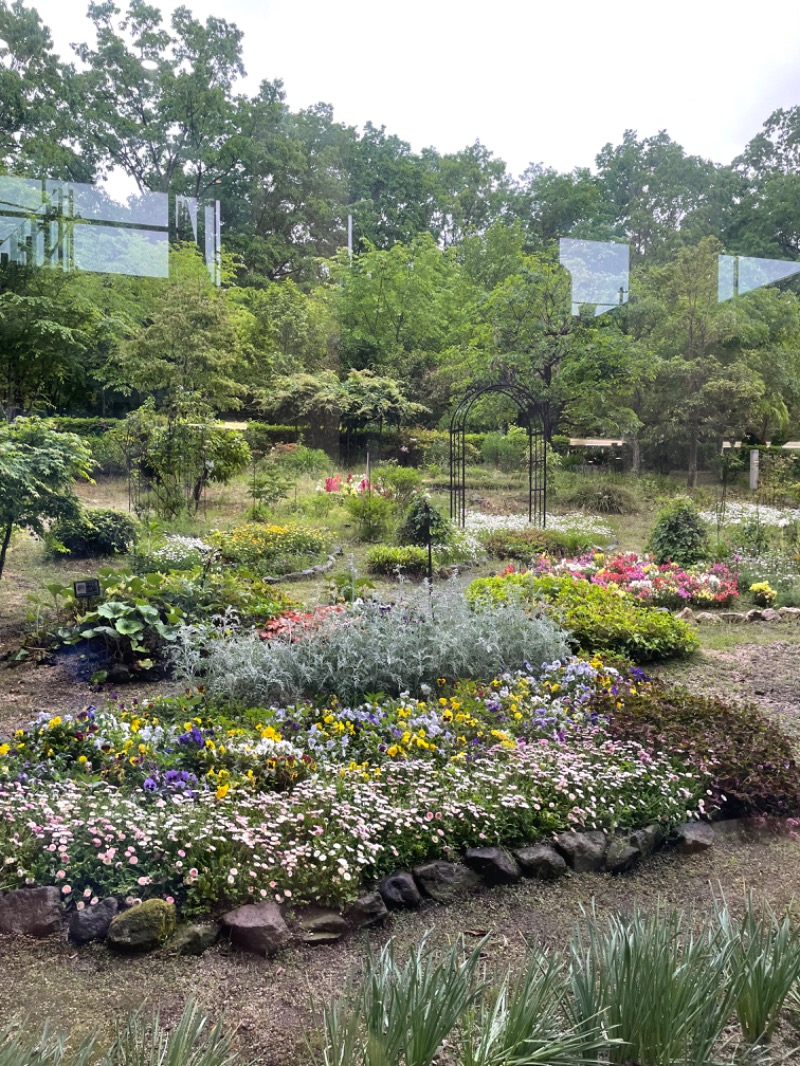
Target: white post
753,469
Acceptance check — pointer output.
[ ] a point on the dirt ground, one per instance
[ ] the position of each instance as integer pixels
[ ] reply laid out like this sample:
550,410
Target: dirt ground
267,1002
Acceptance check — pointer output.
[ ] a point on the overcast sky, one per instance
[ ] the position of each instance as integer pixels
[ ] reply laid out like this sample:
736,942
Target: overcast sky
534,80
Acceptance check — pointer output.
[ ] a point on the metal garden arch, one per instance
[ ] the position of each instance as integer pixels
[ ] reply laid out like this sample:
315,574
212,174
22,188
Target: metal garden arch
537,450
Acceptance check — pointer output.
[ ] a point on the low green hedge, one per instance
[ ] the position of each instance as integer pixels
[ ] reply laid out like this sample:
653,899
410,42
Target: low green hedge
524,544
410,560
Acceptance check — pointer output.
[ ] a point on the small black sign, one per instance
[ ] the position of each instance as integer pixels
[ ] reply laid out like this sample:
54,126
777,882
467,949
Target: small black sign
84,590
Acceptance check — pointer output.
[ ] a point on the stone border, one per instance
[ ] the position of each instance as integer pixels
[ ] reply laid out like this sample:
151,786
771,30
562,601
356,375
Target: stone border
265,928
301,575
765,614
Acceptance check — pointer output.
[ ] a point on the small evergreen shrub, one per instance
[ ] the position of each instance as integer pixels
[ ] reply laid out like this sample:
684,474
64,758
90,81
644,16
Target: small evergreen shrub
400,481
372,515
414,527
680,535
92,532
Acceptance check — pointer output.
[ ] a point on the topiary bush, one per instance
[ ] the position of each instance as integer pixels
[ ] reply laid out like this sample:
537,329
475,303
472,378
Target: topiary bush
598,619
414,527
92,532
680,535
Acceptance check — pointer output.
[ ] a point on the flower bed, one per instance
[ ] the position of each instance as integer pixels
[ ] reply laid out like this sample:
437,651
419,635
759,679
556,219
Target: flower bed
306,802
667,585
271,548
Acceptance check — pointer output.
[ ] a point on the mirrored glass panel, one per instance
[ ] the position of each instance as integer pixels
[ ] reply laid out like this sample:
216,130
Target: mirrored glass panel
600,272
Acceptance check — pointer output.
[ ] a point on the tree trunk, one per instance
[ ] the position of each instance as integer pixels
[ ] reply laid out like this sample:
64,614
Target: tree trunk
691,480
4,546
636,457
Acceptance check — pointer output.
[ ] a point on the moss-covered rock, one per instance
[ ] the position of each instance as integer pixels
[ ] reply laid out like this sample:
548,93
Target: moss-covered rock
144,927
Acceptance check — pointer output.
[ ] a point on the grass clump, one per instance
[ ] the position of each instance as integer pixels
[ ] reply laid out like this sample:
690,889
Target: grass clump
603,498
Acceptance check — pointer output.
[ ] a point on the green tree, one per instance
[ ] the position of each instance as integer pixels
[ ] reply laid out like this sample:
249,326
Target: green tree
175,127
40,128
706,383
48,335
38,466
187,354
528,334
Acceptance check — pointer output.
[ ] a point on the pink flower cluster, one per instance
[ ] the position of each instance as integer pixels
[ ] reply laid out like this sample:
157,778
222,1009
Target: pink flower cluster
667,585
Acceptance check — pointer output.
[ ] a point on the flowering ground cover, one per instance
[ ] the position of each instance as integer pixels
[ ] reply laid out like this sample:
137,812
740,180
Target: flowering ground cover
178,800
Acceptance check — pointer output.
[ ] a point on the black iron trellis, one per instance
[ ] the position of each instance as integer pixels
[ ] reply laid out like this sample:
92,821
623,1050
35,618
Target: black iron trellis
537,451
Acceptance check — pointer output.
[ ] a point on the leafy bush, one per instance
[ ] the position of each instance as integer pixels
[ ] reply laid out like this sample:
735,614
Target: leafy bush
508,451
400,481
524,544
751,761
374,648
133,626
422,517
201,593
680,535
598,619
410,559
603,497
271,548
371,513
92,532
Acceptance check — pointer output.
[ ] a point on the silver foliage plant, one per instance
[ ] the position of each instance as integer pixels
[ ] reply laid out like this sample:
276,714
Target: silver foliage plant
370,648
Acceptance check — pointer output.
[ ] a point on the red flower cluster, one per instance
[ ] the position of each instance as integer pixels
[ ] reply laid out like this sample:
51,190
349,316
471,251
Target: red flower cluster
293,624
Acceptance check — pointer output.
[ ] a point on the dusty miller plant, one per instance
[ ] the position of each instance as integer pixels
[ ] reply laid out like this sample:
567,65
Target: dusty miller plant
372,648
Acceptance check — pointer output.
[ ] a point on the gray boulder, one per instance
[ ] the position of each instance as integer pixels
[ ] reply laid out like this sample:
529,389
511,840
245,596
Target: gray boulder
646,839
195,939
754,616
495,865
144,927
258,928
769,614
367,910
542,861
399,890
694,837
584,852
319,924
621,856
446,882
687,614
707,616
92,923
31,912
